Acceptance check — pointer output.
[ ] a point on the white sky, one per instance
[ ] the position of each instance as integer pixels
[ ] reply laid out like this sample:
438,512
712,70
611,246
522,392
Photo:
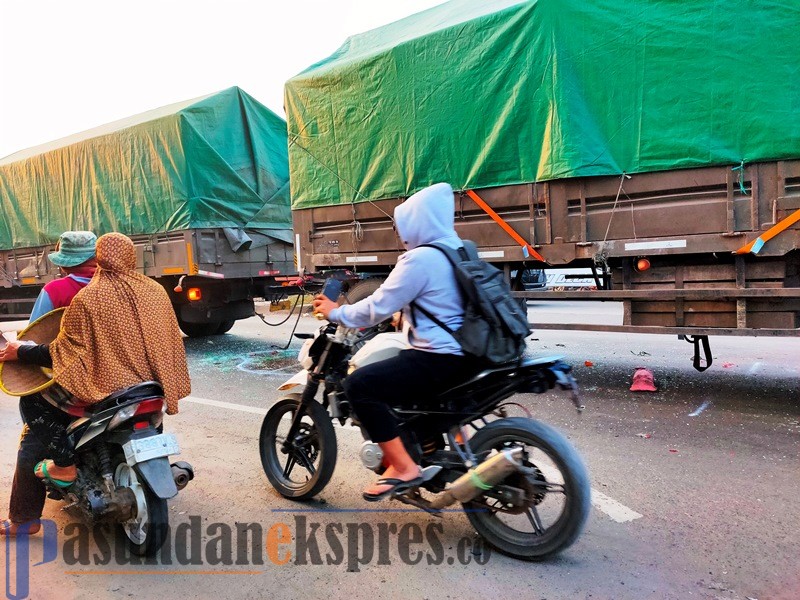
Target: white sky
70,65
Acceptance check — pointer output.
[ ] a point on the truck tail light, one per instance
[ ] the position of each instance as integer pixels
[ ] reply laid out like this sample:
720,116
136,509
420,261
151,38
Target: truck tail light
194,294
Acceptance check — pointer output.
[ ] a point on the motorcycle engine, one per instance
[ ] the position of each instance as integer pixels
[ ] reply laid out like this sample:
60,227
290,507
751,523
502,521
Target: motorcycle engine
371,455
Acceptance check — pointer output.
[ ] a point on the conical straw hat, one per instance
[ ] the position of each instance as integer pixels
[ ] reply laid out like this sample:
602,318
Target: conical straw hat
20,379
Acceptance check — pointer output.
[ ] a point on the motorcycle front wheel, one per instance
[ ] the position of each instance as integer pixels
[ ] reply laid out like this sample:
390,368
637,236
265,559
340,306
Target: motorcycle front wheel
556,488
305,467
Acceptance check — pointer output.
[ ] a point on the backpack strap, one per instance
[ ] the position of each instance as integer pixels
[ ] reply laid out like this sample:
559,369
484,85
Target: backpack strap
468,251
448,252
428,314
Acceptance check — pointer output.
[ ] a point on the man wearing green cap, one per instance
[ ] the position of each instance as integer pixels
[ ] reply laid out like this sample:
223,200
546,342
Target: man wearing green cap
74,255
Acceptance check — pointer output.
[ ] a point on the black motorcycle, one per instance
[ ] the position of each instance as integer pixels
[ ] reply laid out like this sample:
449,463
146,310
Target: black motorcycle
522,485
124,473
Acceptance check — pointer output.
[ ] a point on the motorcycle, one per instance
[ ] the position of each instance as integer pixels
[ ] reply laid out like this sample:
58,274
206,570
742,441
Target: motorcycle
124,473
523,486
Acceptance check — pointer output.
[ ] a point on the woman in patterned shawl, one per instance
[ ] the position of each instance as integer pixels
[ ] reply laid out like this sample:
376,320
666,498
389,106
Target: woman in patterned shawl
120,330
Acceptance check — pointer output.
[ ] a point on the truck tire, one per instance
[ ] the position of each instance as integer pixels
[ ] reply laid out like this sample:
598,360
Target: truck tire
195,330
225,326
360,290
364,289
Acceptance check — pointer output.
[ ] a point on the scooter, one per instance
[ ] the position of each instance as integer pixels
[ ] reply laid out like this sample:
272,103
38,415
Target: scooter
124,473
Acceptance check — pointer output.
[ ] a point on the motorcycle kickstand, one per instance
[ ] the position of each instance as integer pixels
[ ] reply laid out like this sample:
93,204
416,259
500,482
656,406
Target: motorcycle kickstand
414,498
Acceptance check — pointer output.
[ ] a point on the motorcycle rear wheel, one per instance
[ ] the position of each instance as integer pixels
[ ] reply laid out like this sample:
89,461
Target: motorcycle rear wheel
146,532
313,451
558,494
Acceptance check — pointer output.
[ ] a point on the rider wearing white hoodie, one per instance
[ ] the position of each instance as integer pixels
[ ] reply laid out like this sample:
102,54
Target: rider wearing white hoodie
423,275
435,361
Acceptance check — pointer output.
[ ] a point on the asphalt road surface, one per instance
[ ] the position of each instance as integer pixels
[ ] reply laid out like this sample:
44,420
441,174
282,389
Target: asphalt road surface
696,488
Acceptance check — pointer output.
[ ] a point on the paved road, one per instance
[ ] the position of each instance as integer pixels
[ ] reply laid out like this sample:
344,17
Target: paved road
707,506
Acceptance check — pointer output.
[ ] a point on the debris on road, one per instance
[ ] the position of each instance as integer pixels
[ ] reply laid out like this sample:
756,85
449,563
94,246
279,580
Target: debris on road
673,450
643,381
640,353
588,363
728,365
700,408
643,435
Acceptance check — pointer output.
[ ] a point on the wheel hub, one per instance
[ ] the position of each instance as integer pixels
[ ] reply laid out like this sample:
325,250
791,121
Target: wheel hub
135,527
305,443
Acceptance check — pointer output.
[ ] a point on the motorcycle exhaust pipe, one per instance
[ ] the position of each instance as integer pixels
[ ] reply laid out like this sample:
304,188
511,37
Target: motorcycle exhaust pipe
182,473
483,477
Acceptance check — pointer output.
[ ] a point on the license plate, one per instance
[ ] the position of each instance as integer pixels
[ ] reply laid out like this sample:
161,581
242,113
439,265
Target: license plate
156,446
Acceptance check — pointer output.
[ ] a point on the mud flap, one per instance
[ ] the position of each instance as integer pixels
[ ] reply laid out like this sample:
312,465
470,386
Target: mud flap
157,473
697,360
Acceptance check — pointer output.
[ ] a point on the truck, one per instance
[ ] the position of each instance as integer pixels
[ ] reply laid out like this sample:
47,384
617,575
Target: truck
653,144
201,186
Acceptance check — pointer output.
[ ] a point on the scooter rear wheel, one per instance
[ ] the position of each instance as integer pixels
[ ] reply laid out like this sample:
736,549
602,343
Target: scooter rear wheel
146,532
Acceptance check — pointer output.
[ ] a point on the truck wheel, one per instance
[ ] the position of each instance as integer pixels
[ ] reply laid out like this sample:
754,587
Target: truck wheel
361,289
364,289
194,330
225,326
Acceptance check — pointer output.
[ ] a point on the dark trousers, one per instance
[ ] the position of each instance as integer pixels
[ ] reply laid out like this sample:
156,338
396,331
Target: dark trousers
27,490
49,425
413,377
43,436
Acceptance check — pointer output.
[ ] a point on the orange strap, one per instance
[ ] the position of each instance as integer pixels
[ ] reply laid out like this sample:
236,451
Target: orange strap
758,243
506,227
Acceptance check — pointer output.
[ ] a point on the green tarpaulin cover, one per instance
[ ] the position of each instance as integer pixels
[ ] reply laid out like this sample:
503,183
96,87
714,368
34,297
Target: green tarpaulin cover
216,161
482,93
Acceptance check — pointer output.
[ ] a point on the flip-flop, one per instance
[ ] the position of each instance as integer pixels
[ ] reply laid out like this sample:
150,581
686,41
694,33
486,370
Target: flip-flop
56,482
398,486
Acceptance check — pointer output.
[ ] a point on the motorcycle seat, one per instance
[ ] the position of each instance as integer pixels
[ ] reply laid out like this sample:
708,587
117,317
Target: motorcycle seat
526,364
139,391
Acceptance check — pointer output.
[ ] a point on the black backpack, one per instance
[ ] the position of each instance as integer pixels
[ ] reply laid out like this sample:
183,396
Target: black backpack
495,325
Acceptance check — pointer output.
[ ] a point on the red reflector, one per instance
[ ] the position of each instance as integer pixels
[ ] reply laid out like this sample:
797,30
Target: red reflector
141,425
150,406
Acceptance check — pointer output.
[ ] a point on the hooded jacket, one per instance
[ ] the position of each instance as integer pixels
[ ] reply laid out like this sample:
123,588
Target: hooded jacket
422,275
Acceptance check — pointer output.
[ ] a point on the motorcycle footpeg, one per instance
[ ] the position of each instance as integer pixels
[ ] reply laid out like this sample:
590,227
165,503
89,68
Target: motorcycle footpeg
429,473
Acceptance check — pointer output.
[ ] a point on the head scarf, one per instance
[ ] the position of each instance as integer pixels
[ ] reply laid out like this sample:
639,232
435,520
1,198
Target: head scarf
120,330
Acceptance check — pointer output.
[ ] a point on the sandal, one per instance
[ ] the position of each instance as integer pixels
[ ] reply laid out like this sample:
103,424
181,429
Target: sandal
11,529
398,486
59,483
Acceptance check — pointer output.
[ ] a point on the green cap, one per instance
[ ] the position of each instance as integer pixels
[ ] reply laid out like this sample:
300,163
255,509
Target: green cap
73,248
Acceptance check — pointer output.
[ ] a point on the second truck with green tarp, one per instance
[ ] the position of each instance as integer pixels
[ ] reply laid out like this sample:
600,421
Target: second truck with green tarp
202,187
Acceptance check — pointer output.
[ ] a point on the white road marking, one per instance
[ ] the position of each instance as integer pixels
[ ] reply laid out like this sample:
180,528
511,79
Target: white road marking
615,510
248,409
229,405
